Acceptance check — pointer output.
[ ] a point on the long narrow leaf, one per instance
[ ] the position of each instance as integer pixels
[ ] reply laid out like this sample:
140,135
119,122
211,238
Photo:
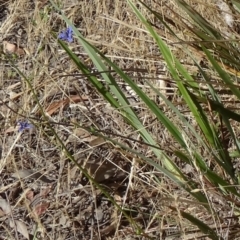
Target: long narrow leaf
202,226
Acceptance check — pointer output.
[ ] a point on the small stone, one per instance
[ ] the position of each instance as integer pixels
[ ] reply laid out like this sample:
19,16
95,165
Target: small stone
99,214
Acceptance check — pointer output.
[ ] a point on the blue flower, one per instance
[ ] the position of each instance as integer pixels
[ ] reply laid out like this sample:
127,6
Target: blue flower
66,35
24,125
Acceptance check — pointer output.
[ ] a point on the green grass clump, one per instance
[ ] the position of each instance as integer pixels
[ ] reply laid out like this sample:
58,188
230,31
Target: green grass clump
199,146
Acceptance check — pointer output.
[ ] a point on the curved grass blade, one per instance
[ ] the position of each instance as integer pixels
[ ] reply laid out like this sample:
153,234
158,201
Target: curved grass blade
197,18
201,225
224,76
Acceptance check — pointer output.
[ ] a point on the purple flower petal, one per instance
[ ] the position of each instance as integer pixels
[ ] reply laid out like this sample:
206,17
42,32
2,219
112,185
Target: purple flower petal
66,35
24,125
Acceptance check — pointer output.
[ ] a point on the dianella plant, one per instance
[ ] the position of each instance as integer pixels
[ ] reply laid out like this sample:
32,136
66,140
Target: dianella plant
200,159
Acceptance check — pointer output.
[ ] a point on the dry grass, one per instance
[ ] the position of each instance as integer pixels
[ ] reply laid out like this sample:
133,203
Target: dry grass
44,190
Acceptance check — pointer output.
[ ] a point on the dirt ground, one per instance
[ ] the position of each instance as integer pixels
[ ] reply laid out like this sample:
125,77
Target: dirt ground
43,195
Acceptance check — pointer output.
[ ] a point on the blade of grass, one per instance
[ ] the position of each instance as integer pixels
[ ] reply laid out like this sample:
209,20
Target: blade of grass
224,76
202,226
197,18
